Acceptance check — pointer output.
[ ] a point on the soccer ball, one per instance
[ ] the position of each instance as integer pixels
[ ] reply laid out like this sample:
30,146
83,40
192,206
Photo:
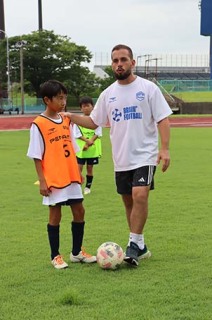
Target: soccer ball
109,255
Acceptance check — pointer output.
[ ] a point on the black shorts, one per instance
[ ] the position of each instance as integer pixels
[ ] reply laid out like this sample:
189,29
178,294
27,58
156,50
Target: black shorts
89,161
68,202
126,180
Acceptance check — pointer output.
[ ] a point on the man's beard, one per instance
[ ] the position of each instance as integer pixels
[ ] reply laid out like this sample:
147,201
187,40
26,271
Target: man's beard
122,76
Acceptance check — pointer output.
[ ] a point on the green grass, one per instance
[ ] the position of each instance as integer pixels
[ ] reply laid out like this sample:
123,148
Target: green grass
205,96
205,115
175,284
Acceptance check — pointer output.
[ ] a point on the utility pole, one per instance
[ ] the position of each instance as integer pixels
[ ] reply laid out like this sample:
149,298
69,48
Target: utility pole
20,45
22,79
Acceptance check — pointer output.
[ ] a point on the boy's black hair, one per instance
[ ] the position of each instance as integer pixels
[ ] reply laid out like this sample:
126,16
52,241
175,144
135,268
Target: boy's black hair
85,100
52,88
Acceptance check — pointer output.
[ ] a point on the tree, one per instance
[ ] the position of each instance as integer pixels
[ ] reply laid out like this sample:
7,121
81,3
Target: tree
106,82
82,82
49,56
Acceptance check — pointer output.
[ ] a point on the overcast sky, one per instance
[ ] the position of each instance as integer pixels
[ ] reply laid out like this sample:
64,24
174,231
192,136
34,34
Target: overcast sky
147,26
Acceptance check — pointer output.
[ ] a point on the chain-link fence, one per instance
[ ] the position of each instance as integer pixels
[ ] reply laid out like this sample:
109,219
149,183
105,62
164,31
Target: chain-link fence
186,85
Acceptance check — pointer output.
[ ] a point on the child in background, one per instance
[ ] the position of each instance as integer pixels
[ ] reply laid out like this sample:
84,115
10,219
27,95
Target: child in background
52,147
89,141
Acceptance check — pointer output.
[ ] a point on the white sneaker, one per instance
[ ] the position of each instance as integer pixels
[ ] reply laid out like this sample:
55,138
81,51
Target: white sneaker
83,257
59,263
87,190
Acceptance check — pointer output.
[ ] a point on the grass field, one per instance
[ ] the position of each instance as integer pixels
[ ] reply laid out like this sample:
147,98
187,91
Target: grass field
204,96
175,284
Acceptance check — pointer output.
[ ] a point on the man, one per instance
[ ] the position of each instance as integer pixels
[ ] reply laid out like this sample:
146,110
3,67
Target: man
136,110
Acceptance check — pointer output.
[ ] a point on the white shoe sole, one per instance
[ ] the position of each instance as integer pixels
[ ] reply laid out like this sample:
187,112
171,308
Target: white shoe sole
146,255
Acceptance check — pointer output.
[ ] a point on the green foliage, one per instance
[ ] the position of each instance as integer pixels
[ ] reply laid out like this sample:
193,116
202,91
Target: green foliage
173,285
83,82
104,83
50,56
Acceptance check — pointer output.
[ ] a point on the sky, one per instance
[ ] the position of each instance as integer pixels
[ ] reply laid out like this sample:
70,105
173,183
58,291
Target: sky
147,26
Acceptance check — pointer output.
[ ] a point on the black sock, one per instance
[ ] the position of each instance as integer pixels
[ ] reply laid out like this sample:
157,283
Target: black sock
89,180
77,229
54,239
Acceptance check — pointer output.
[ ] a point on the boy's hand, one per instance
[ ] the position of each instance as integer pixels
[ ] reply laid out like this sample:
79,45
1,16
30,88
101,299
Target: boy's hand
85,147
44,190
89,143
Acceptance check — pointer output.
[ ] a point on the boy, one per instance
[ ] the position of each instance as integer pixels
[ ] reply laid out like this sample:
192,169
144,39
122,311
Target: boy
53,150
89,142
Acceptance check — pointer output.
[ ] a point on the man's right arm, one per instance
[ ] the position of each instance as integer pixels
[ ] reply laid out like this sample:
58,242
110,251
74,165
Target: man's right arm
83,121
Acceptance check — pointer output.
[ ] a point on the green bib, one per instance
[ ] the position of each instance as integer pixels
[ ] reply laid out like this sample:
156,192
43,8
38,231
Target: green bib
94,151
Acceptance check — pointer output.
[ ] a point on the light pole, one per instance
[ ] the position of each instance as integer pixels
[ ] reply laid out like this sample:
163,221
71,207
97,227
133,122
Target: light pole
142,56
137,63
8,67
20,45
146,68
156,65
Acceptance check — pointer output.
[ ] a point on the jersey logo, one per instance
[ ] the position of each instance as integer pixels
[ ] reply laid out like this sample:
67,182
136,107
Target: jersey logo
116,115
112,99
140,96
51,130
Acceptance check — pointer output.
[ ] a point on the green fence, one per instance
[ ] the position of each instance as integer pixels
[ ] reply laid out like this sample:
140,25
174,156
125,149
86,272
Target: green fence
186,85
35,105
32,104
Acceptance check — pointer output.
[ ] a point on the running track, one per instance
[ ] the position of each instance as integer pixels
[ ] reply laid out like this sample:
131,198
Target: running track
22,122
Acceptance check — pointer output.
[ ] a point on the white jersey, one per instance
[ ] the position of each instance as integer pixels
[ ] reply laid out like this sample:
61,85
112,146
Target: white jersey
35,151
132,111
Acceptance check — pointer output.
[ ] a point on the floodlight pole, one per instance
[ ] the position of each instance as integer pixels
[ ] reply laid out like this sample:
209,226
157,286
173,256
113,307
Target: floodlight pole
147,65
156,65
40,20
142,56
136,68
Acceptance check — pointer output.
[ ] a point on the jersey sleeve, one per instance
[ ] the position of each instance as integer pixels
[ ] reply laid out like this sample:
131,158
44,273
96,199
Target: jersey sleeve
75,145
36,145
99,113
98,131
76,131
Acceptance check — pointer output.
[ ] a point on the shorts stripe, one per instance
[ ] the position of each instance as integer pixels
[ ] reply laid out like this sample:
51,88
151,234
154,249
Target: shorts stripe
150,174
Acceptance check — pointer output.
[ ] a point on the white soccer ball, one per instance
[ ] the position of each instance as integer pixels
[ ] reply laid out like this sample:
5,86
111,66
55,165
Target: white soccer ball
109,255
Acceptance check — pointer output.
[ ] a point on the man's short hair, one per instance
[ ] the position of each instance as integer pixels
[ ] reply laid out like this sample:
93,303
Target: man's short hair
123,46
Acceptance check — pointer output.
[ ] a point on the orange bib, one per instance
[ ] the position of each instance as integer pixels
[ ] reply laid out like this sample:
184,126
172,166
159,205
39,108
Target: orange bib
59,162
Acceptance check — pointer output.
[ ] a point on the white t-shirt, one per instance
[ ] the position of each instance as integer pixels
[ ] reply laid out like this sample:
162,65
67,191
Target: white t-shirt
35,151
132,112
